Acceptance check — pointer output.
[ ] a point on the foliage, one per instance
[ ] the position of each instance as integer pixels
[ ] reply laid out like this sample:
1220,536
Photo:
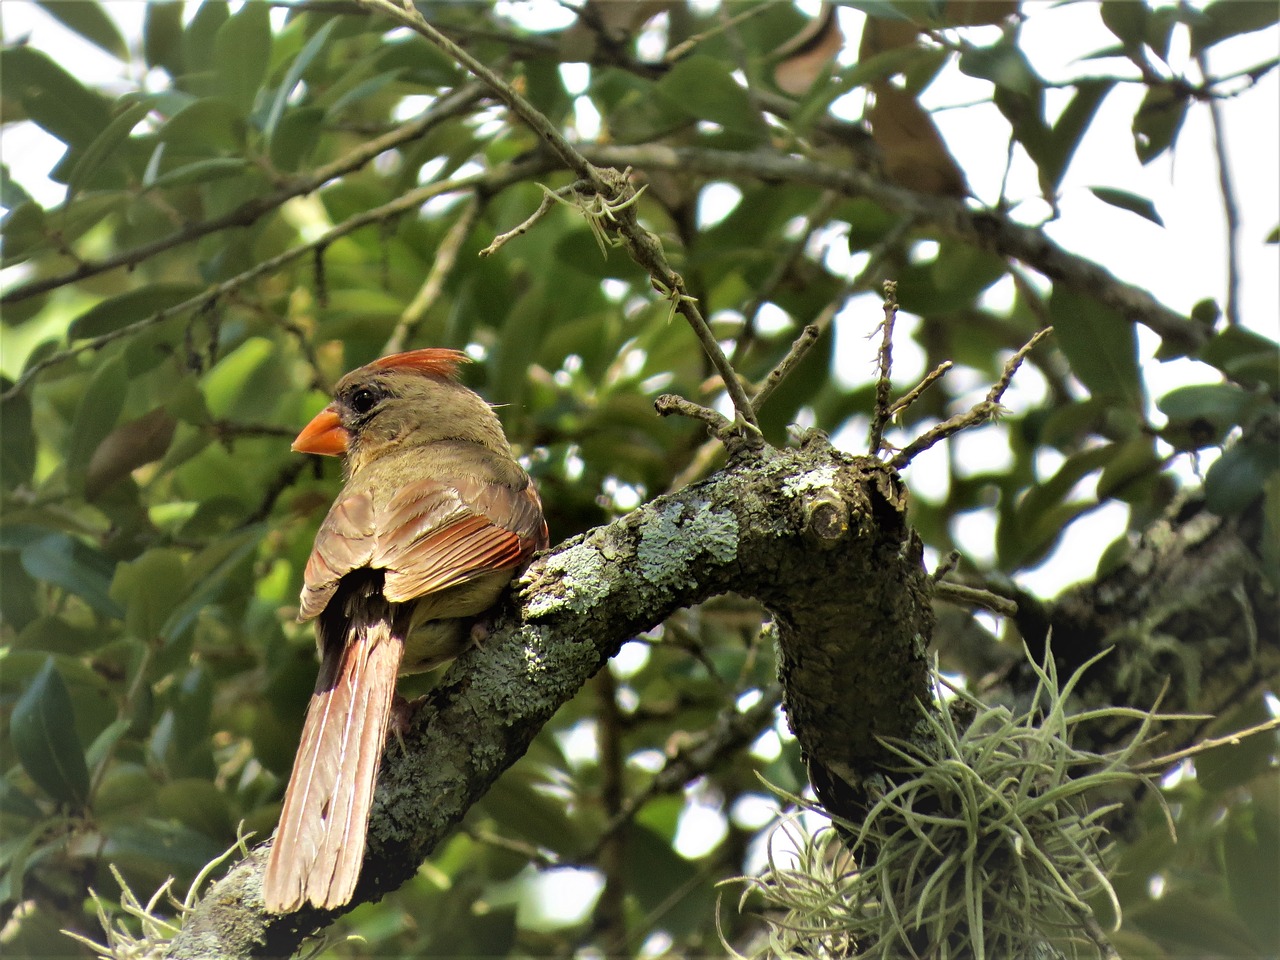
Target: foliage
277,194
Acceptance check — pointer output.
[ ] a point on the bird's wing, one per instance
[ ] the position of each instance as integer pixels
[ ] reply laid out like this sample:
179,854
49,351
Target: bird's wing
429,535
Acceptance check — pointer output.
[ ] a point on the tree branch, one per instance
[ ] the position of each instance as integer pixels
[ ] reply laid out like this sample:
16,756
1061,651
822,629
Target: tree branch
256,207
986,229
490,181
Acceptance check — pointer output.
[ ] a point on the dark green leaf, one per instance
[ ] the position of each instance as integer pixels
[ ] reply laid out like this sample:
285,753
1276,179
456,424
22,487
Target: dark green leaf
17,439
1250,852
1157,122
1222,404
87,18
295,137
25,231
242,51
1230,18
1004,65
704,89
105,145
199,60
1237,478
52,97
43,729
1101,345
1128,201
129,307
1060,146
150,588
68,563
162,36
1233,765
1246,357
1135,460
1127,20
95,416
294,75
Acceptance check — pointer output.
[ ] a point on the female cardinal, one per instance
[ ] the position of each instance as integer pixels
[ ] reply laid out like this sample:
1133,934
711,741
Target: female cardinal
435,518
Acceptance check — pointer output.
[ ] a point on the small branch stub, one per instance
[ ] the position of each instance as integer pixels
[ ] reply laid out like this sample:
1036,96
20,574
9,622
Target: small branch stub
826,519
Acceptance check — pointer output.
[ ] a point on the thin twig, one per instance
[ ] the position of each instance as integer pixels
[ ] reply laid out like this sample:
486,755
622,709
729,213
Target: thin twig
683,48
549,200
948,563
958,593
912,395
1230,740
668,404
490,180
1230,208
609,918
986,409
884,375
256,207
808,337
446,259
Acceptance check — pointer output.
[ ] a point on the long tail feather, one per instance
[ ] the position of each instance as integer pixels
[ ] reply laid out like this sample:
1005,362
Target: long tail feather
319,846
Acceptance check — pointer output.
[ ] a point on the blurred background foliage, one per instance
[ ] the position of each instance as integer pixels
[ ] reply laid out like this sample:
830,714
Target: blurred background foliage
155,523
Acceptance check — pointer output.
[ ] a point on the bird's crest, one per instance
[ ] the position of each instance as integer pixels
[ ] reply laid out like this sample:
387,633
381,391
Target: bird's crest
429,361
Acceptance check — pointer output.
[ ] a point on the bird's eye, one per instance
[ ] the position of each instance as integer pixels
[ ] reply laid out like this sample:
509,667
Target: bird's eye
362,401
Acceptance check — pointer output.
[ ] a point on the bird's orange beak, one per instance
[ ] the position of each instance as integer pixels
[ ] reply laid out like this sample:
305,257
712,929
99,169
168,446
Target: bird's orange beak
324,435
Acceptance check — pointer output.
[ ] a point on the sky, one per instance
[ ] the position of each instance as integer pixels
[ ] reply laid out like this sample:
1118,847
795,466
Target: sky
1181,263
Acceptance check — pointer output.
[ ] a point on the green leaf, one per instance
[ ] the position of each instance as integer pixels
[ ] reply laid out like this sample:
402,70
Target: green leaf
1127,20
1157,122
123,309
242,51
1246,357
43,730
25,232
52,97
1222,404
198,56
201,171
1128,201
17,439
104,145
76,567
1004,65
150,589
1135,459
295,137
95,415
87,18
1233,765
704,89
162,36
1237,478
1101,345
1060,146
294,75
208,125
1230,18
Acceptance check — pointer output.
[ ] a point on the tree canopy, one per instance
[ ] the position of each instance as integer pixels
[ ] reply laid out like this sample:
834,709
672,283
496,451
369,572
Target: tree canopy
685,244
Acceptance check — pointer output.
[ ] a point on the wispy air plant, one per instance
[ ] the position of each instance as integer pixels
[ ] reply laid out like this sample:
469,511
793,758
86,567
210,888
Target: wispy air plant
981,844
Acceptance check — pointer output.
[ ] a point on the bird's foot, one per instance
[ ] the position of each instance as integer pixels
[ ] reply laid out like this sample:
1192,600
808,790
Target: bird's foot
401,719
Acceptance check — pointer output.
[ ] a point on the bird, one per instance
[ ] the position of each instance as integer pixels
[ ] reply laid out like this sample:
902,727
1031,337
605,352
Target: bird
434,518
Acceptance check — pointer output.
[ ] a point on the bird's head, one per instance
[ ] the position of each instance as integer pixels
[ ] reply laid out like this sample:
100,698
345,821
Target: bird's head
406,399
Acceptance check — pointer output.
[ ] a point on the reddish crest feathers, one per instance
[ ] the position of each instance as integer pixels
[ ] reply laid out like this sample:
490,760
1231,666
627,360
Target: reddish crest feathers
429,361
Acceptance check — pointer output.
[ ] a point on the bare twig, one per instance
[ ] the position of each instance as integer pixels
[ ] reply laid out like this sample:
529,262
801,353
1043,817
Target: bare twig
808,337
948,563
912,395
668,404
490,180
958,593
1230,740
549,200
1230,208
682,49
256,207
986,409
446,259
884,374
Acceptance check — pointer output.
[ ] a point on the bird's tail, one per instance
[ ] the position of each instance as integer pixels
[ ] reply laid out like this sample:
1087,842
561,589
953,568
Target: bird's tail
319,845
